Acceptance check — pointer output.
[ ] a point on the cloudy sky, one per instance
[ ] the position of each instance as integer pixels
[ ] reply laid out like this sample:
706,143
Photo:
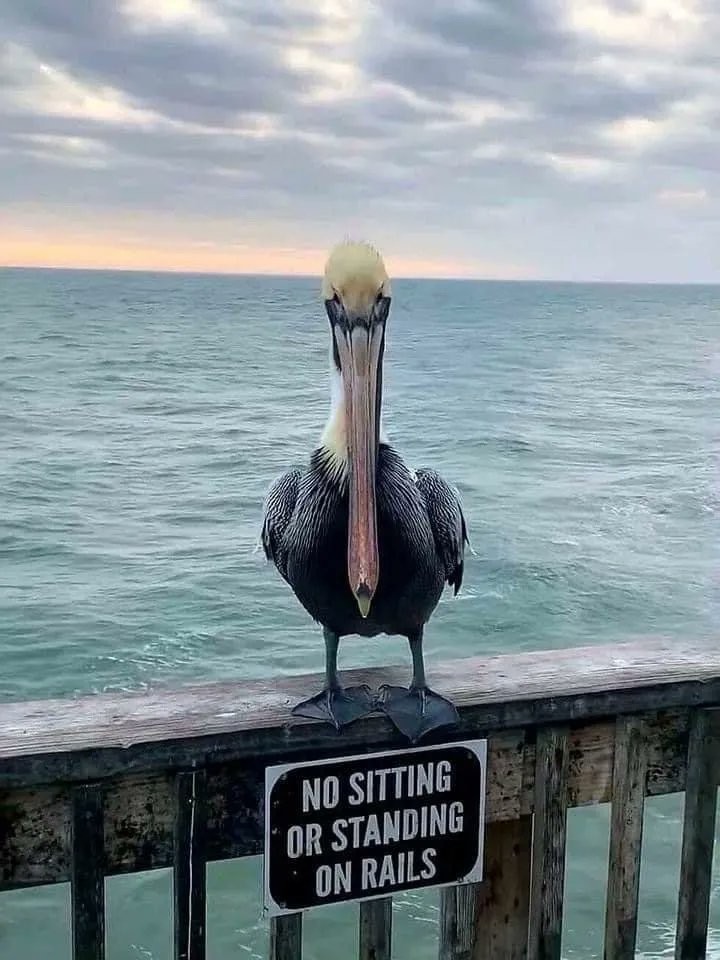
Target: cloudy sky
563,139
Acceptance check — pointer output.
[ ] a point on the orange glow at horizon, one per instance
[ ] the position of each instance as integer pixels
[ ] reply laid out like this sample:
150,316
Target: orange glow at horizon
22,248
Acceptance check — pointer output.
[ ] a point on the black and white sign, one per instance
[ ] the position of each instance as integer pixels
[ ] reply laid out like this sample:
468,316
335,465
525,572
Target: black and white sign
369,826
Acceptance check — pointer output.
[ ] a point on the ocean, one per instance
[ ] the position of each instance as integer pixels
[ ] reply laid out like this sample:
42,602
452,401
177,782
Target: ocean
142,418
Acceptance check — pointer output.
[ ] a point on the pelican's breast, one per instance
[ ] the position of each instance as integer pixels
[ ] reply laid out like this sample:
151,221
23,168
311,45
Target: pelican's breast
410,580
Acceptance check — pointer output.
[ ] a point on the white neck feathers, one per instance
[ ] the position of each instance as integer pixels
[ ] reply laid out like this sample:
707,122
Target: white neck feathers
334,436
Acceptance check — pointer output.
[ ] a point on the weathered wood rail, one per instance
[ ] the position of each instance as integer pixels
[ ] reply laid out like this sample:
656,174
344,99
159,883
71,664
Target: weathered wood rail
109,784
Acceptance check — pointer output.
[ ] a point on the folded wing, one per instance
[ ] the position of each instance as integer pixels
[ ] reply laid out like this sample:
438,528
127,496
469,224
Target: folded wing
447,522
277,513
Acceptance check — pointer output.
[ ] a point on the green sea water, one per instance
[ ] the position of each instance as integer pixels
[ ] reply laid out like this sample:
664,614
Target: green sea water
142,418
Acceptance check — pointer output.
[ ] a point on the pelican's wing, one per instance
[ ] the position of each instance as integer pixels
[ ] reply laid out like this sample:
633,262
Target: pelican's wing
277,513
447,522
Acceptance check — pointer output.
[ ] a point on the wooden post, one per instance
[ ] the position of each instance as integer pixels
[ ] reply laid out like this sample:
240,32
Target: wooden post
698,839
286,937
376,929
501,929
88,873
457,921
549,833
628,804
189,872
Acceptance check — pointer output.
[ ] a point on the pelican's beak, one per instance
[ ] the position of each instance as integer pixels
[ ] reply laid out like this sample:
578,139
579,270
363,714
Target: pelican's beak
360,348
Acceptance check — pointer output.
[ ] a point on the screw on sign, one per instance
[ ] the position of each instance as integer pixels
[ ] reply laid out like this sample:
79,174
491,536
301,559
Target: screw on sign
368,826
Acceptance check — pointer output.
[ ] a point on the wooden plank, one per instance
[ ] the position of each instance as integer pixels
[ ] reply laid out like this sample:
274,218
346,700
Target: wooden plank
628,805
108,734
375,929
458,907
698,839
189,872
88,878
35,836
140,810
548,853
503,898
286,937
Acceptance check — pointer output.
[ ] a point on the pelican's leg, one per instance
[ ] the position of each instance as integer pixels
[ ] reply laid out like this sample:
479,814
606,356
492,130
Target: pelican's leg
417,711
336,704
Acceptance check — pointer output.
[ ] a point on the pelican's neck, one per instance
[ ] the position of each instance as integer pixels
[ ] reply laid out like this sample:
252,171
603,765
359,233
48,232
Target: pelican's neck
334,436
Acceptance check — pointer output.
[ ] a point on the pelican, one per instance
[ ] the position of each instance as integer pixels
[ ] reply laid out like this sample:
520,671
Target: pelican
366,545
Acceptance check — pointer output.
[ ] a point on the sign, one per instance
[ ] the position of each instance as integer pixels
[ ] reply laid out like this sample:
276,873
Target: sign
372,825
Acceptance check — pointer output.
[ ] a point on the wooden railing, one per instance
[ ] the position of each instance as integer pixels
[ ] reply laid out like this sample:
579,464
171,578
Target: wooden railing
109,784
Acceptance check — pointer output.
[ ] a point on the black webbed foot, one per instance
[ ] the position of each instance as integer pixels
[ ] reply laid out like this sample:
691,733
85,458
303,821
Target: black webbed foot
417,711
337,705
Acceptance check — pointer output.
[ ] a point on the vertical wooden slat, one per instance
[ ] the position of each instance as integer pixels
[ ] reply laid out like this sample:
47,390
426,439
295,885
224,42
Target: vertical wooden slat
189,872
286,937
376,929
698,839
504,896
548,853
458,906
628,804
88,873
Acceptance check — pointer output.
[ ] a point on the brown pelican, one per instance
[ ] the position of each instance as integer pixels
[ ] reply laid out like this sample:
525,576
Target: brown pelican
365,544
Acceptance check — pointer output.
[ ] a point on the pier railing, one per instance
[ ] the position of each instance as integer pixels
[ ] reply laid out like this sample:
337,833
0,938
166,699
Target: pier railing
113,784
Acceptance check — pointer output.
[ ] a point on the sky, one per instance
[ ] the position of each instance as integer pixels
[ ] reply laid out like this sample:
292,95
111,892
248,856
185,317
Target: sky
511,139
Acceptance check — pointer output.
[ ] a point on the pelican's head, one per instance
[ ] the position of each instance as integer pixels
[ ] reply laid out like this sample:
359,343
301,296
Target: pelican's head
356,291
355,280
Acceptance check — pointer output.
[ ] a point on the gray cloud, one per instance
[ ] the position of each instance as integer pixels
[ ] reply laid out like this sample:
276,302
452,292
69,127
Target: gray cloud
551,135
514,31
194,78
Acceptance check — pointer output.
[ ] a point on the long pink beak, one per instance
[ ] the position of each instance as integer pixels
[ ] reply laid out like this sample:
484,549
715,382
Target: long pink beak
359,354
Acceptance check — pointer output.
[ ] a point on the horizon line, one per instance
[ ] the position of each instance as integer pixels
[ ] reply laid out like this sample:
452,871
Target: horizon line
313,276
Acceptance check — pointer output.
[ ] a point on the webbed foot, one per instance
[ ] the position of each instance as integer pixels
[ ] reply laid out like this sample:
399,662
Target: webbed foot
337,705
417,711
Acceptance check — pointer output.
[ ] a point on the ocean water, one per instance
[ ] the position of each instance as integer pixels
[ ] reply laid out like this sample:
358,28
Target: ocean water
142,418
